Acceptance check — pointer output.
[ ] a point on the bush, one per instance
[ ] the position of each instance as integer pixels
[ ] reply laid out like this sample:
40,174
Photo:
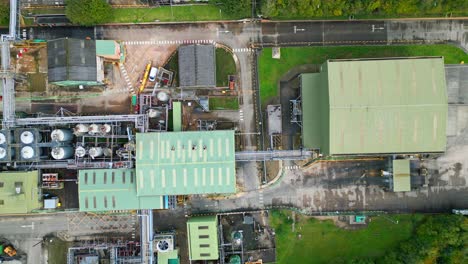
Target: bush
88,12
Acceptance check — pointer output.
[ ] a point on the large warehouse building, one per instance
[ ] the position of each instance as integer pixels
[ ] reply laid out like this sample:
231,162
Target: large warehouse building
375,106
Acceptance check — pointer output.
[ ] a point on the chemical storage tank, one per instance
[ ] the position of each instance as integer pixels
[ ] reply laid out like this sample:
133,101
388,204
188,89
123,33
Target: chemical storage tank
94,129
28,152
81,129
80,152
105,129
152,113
3,138
234,259
61,135
107,152
95,152
162,96
3,153
29,137
60,153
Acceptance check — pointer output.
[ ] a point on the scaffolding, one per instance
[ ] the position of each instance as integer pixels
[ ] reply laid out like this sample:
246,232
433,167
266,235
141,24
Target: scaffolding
296,115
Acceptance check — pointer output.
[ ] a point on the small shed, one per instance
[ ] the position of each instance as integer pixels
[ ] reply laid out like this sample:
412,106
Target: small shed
51,203
401,176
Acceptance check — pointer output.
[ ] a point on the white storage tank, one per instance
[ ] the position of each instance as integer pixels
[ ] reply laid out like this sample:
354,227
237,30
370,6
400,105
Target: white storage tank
3,153
80,152
2,139
152,113
162,96
94,129
107,152
60,153
81,129
95,152
28,137
28,152
105,129
61,135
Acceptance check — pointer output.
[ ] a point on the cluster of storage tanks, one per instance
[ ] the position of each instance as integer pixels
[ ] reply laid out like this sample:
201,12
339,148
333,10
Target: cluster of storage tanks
93,129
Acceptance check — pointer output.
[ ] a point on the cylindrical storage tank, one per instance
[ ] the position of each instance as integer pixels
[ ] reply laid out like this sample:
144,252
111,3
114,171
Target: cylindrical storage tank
107,152
80,152
234,259
162,96
95,152
28,137
81,129
105,129
94,129
2,139
152,113
3,153
28,152
60,153
61,135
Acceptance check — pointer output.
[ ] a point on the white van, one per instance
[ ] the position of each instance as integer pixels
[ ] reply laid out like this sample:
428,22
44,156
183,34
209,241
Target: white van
152,75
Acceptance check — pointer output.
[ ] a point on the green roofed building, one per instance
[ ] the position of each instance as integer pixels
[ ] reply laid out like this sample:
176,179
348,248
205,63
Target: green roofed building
375,106
401,176
169,257
177,116
202,235
19,192
112,189
184,163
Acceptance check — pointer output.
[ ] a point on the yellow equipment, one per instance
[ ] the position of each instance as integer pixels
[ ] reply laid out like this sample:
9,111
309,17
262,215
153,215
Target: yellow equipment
145,77
10,251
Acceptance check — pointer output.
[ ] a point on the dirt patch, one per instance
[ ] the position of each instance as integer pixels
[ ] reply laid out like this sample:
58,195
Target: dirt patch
272,169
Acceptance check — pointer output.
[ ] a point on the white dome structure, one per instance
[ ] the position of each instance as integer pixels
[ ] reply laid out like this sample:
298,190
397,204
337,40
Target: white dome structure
80,152
61,135
60,153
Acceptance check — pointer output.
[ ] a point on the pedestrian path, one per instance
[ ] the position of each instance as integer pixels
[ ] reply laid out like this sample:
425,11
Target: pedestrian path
241,115
295,167
170,42
240,50
124,73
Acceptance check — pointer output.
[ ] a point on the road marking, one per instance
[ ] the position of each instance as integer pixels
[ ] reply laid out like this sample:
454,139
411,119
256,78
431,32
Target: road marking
240,50
123,71
241,115
171,42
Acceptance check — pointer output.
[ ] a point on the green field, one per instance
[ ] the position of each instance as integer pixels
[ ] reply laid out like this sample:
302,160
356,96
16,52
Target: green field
271,70
165,13
225,66
224,103
323,242
57,250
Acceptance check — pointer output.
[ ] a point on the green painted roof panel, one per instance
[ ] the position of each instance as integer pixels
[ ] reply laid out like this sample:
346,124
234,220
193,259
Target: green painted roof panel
24,202
177,116
383,106
202,235
112,189
170,257
105,47
183,163
401,176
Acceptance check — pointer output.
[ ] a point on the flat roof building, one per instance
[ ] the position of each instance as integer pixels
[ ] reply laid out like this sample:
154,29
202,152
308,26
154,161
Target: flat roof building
401,176
202,235
375,106
112,189
184,163
19,192
197,66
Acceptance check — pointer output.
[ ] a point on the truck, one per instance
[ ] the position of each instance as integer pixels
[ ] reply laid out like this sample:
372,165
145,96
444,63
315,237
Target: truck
9,250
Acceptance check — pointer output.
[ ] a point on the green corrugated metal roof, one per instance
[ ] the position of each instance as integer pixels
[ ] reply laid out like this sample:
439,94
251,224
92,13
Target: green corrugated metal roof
112,189
315,122
401,176
202,235
182,163
105,47
177,116
384,106
170,257
27,200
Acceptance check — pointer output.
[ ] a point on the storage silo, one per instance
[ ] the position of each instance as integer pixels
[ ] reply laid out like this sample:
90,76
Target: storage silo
61,135
81,129
94,129
152,113
162,96
95,152
29,136
3,138
29,153
107,152
3,153
80,152
105,129
60,153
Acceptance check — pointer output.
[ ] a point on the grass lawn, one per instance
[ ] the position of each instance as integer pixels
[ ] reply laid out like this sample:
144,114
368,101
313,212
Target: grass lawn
224,103
323,242
271,70
225,66
57,251
164,13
